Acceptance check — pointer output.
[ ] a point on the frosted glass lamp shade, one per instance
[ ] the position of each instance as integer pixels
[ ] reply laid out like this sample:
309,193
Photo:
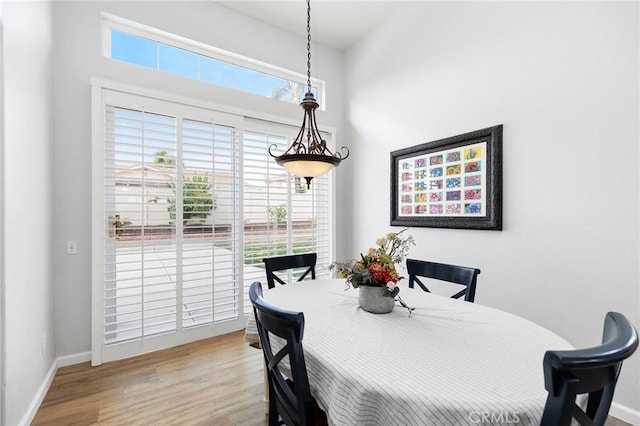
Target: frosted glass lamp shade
308,165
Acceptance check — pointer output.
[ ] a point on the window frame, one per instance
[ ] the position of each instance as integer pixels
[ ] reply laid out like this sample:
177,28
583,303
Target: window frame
113,22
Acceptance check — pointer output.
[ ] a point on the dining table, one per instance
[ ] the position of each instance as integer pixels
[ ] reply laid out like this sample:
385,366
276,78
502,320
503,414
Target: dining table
446,362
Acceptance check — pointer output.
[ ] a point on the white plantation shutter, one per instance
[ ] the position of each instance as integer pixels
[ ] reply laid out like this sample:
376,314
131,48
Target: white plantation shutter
282,216
170,258
210,253
139,298
187,202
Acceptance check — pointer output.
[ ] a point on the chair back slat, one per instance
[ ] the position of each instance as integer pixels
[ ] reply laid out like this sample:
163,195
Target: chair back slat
440,271
593,371
281,263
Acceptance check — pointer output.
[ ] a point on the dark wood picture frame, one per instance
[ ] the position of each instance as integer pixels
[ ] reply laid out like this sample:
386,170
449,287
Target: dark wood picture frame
454,182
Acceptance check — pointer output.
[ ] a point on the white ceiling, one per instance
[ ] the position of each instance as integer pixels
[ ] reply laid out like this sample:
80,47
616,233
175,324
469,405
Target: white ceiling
336,23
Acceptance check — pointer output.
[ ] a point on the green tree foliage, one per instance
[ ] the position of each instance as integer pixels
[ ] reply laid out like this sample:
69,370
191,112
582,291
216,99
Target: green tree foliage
163,158
197,198
277,214
291,92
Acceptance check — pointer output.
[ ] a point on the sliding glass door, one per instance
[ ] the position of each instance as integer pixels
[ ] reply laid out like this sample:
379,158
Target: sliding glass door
186,204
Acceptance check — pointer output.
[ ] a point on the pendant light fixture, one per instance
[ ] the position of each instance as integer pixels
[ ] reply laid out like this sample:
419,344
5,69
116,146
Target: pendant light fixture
308,156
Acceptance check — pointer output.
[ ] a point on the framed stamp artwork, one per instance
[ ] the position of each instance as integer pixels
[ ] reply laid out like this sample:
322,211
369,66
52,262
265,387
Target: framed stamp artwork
454,182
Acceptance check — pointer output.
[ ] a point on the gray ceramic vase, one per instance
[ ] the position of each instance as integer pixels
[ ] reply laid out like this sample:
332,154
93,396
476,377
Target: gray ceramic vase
372,300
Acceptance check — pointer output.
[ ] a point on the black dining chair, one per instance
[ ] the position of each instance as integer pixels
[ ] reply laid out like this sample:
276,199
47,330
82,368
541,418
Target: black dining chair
280,263
440,271
592,371
290,399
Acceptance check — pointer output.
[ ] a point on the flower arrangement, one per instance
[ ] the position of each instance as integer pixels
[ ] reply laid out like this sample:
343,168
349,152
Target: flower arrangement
377,267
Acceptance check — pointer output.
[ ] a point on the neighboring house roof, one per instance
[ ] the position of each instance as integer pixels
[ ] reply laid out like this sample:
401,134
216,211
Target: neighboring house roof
133,175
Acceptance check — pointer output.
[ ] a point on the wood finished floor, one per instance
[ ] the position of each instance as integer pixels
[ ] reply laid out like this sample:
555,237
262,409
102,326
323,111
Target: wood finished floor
217,381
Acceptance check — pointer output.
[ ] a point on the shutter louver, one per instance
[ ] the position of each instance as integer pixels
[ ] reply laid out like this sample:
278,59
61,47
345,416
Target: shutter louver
210,291
281,215
139,294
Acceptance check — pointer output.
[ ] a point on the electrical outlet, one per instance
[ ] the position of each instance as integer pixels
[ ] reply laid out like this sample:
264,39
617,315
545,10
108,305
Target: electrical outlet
72,247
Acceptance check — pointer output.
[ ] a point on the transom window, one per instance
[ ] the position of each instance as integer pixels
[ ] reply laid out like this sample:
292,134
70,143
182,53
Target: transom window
148,47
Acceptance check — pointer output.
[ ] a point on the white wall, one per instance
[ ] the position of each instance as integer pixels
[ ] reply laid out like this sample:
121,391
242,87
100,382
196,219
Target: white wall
563,79
2,310
28,214
78,57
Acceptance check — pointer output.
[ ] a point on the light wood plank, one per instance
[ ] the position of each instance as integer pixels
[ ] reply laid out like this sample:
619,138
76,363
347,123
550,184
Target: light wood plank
213,381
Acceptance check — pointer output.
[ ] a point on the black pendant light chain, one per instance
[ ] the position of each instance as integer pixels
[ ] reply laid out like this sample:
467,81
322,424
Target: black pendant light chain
308,155
309,45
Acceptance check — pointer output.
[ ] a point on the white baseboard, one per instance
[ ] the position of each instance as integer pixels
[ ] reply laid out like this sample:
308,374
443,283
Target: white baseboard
39,396
64,361
625,414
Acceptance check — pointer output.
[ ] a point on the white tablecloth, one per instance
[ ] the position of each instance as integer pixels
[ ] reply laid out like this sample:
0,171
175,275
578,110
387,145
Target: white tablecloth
450,363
